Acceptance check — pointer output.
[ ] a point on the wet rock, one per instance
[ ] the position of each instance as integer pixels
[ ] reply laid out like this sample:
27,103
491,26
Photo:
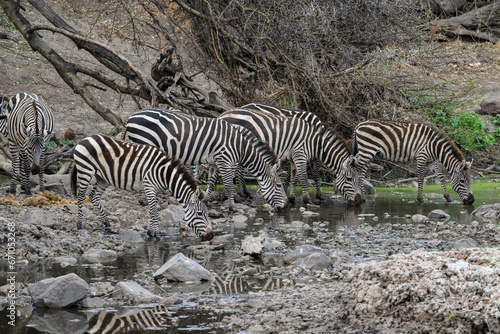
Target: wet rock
314,262
100,255
172,214
464,243
60,292
65,260
135,293
40,217
302,252
222,239
489,211
93,303
310,213
419,218
179,268
438,214
251,245
131,236
369,188
58,321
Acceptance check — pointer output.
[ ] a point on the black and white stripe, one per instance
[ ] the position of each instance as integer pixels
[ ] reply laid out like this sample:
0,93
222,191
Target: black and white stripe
306,116
403,142
134,167
197,140
294,139
27,122
137,320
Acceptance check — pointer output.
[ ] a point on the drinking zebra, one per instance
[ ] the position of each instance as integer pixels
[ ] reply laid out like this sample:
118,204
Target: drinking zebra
27,122
196,140
294,139
133,167
403,142
308,117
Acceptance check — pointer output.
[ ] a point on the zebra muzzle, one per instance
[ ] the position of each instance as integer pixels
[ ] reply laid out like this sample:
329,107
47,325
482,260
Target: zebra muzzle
209,234
35,169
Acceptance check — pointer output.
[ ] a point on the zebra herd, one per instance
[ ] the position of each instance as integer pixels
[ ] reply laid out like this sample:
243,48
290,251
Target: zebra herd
255,138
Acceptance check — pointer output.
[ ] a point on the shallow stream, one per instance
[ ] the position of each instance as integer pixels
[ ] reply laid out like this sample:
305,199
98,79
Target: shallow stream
214,299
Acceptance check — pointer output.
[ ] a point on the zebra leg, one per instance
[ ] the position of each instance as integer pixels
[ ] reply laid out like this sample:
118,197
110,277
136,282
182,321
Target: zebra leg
83,185
227,179
25,174
14,152
315,168
213,174
300,162
96,195
240,183
421,168
286,181
153,231
292,179
41,172
442,179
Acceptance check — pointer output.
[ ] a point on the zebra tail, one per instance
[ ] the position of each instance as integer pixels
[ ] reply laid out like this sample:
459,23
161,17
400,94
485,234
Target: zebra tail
74,174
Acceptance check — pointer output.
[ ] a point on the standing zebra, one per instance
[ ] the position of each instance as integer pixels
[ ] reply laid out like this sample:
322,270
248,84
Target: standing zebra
308,117
294,139
133,167
196,140
403,142
27,122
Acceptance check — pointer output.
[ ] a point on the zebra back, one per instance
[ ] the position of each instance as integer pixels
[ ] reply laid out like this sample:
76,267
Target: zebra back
307,116
197,140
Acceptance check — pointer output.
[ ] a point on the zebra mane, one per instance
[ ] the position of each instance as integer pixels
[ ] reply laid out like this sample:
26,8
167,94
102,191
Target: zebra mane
187,176
260,145
330,132
454,148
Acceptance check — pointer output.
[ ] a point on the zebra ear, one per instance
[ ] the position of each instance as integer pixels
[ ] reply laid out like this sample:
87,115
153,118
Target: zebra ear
469,164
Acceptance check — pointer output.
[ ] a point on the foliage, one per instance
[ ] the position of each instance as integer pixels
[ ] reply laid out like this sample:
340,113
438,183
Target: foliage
466,128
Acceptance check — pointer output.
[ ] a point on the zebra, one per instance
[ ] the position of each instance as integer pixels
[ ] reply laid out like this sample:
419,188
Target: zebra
403,142
132,167
27,122
295,139
308,117
196,140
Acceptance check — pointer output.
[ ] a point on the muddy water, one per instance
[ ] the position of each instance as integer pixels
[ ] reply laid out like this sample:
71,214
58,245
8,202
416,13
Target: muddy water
214,300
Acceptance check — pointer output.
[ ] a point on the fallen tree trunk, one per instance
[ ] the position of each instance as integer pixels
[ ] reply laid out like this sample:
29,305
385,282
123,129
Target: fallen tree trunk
479,23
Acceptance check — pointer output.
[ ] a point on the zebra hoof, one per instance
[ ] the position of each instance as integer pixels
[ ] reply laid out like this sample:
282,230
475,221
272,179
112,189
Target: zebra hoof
154,234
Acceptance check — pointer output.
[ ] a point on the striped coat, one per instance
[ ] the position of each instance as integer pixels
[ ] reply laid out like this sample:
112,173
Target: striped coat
295,140
404,142
134,167
27,122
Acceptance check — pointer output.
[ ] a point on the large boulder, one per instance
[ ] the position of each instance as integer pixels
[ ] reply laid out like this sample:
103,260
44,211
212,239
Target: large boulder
59,292
179,268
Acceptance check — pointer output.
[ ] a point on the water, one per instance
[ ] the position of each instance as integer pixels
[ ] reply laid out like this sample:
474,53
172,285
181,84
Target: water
218,298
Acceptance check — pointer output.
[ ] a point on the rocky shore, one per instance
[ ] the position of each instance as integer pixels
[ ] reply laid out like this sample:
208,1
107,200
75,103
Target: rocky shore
424,275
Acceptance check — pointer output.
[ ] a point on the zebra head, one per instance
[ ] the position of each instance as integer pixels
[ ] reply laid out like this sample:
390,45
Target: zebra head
35,143
460,182
272,189
348,181
197,216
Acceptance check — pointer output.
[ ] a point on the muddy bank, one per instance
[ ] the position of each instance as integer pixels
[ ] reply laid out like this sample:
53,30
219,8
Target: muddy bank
435,276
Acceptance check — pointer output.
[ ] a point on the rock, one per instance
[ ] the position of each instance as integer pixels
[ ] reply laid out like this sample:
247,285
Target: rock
464,243
314,262
239,219
100,255
134,292
438,214
222,239
310,213
172,214
489,211
339,256
98,289
419,218
40,217
57,189
490,106
369,188
179,268
251,245
131,236
93,303
302,252
65,259
60,292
